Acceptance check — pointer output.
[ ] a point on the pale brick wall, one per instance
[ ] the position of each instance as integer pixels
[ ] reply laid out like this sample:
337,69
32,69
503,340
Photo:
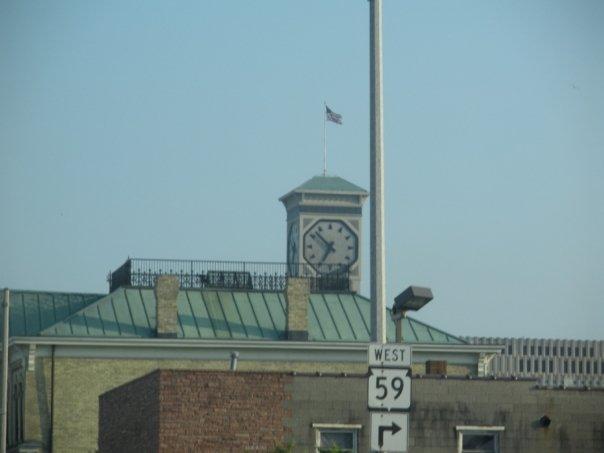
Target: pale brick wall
79,382
166,294
297,293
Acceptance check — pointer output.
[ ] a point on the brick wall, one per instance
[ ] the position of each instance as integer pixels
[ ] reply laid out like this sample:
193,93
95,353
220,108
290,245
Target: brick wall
129,416
197,411
79,382
222,411
166,294
297,293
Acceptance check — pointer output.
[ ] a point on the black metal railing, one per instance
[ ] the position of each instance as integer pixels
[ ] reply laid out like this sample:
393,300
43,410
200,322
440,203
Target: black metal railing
238,275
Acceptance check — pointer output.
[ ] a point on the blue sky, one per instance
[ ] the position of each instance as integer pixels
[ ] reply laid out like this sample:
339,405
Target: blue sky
170,129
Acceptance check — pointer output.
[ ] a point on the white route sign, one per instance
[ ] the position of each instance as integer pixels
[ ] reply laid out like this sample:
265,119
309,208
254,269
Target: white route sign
389,355
389,432
389,389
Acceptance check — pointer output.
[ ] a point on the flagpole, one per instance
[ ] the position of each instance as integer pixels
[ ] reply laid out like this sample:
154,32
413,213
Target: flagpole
324,139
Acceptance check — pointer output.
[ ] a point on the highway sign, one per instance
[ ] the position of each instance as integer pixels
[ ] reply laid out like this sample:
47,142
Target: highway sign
389,432
389,355
389,389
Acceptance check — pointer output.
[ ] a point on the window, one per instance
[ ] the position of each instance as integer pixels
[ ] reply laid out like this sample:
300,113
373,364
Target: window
588,370
569,351
581,367
510,349
573,367
591,352
566,366
551,366
524,350
528,366
341,437
547,350
521,363
532,350
15,408
540,350
577,351
478,439
543,368
584,351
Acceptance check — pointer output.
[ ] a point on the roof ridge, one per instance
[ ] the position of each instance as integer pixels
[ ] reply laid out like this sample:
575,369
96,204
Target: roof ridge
79,312
437,329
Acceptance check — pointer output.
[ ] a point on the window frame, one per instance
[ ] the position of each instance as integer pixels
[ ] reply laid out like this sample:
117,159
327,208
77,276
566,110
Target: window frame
339,428
480,430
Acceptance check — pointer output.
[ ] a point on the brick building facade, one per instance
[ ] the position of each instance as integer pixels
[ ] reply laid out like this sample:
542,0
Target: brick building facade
243,411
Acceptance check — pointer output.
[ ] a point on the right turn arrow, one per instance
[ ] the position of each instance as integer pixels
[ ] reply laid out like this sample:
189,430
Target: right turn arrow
394,428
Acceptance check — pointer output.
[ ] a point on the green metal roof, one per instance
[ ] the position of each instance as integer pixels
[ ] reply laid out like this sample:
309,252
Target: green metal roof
210,314
329,184
34,311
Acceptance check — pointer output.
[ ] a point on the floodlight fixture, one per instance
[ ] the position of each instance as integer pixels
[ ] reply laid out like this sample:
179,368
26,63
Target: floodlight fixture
412,299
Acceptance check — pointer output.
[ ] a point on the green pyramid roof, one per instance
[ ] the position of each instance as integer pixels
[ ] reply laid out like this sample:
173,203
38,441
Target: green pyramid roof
327,184
34,311
225,315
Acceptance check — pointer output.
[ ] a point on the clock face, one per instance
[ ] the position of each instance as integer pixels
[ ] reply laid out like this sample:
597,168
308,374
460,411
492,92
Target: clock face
292,243
330,243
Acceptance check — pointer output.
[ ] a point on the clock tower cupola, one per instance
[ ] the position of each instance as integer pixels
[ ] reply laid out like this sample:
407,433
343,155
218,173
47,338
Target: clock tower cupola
324,225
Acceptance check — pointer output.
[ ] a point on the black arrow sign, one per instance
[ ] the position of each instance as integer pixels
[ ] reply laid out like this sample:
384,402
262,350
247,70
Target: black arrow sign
394,428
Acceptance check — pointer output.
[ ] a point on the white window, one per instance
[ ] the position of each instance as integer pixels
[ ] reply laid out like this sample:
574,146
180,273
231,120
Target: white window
479,439
343,438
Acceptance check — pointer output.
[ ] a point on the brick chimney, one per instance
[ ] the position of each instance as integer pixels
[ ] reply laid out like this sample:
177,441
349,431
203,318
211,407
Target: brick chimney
166,293
297,293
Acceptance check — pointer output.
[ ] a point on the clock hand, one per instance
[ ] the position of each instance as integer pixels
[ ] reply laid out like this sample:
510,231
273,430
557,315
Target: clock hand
328,251
323,240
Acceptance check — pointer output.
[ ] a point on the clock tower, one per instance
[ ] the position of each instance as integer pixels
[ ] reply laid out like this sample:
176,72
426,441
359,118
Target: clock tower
324,226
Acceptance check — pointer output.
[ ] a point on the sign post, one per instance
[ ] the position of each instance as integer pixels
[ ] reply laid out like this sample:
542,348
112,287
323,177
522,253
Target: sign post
389,396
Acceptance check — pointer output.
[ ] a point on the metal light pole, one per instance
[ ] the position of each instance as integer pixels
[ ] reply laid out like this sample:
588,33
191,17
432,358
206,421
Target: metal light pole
377,252
4,408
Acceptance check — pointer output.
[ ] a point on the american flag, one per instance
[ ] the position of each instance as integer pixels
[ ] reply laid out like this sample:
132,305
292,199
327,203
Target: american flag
332,116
